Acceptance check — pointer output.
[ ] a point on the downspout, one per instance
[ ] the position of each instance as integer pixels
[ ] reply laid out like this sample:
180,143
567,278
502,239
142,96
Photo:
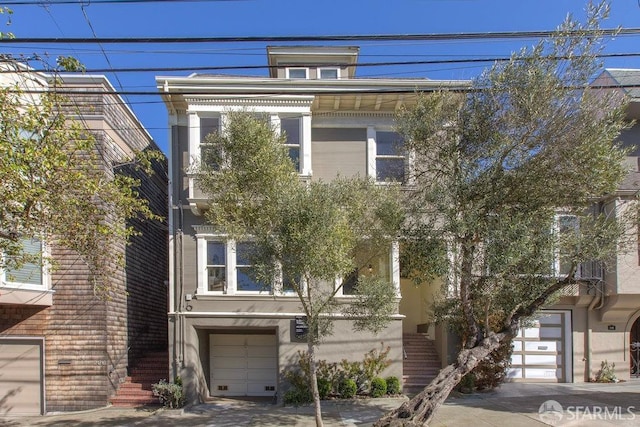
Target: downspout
589,356
179,313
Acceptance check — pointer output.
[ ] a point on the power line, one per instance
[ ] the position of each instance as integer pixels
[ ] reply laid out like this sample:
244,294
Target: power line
607,32
359,65
304,91
82,2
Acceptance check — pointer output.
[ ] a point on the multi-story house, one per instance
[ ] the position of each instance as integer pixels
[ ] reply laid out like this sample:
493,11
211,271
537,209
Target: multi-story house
61,347
236,339
597,322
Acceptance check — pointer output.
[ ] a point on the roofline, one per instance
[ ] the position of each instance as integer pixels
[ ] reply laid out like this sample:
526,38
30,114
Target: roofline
172,84
110,90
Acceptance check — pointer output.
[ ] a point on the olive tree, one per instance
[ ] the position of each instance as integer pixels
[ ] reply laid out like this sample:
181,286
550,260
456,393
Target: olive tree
506,178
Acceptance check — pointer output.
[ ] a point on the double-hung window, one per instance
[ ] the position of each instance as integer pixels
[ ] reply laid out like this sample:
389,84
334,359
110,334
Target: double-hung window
208,126
390,158
245,278
216,266
226,267
291,127
565,224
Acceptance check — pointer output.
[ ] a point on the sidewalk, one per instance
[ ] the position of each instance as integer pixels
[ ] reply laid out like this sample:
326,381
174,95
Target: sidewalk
514,404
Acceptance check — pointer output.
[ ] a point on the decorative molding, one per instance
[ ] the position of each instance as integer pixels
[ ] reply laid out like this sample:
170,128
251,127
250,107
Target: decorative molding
206,229
258,101
339,114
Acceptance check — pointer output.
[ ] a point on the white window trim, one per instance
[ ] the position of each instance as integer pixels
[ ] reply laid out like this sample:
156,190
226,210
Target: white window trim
45,284
556,251
306,72
372,152
230,271
304,168
337,69
394,272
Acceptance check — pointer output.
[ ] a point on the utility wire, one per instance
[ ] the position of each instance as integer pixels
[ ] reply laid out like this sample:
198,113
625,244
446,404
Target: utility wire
56,2
462,87
606,32
359,65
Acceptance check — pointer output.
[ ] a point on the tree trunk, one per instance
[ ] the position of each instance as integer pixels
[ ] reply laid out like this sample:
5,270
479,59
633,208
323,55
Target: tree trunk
420,410
313,377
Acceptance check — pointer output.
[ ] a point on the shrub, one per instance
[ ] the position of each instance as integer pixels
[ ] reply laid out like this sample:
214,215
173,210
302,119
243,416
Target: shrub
467,383
364,372
393,385
378,387
170,394
606,374
347,388
296,397
324,388
492,370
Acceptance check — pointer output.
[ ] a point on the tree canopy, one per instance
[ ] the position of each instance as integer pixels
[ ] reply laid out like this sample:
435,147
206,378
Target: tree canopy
57,187
508,180
307,234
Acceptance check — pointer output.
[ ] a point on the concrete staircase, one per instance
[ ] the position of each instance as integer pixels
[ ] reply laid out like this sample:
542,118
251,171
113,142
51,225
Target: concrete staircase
421,363
136,390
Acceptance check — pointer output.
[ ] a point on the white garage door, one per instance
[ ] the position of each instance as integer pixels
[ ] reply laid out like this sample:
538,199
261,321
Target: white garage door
542,349
21,391
243,365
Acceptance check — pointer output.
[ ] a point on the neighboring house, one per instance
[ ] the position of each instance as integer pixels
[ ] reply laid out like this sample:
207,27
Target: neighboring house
61,347
231,337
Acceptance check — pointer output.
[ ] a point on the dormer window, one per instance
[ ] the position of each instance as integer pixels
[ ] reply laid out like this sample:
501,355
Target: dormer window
328,73
297,73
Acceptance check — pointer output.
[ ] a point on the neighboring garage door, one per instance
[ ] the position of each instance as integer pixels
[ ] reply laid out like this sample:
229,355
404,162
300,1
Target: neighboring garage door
542,349
243,365
21,377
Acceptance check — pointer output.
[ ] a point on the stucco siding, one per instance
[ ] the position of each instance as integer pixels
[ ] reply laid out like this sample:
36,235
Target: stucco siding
338,151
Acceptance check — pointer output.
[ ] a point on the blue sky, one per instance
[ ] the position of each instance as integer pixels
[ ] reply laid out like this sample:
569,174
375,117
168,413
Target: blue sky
294,18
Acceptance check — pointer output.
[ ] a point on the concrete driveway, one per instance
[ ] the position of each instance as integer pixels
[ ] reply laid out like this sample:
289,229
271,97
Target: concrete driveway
514,404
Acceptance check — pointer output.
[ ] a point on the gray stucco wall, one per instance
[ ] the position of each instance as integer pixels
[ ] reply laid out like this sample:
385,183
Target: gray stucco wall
343,344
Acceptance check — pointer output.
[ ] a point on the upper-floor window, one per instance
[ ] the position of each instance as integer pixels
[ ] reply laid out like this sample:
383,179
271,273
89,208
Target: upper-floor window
245,279
216,266
30,274
208,126
390,159
297,73
328,73
565,224
292,128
